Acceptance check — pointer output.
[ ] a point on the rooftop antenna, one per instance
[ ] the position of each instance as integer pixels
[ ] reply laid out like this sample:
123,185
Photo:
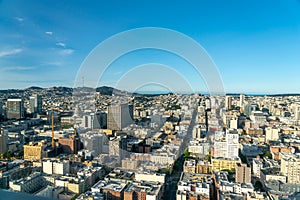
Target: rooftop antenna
83,81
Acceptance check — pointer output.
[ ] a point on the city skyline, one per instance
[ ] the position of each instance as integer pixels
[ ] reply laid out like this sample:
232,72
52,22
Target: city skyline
254,46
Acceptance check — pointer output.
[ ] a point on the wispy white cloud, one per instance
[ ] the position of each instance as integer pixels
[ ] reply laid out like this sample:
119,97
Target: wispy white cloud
10,52
61,44
17,68
53,63
19,19
49,32
66,51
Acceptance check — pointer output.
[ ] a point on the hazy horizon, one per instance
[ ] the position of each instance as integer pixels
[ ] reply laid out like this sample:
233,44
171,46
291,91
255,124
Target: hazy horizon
253,44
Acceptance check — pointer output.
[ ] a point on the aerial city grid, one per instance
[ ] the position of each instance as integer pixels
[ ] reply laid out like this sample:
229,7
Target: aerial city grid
149,100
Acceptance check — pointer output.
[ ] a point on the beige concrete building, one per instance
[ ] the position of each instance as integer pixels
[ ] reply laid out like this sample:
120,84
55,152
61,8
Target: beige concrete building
33,151
271,134
130,164
242,173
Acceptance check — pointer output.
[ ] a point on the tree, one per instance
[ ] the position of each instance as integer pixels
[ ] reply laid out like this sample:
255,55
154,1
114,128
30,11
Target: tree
267,154
7,155
186,153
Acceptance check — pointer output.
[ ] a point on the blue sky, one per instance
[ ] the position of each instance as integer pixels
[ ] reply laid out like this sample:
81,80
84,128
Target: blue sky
255,44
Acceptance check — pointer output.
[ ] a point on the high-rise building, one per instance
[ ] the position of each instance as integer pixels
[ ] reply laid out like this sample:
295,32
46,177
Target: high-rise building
242,99
226,146
119,116
207,104
242,173
290,167
257,165
228,102
220,149
96,120
232,144
15,108
87,121
100,120
36,104
3,141
272,134
297,113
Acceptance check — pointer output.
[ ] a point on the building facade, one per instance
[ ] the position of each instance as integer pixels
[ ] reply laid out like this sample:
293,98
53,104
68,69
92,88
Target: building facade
15,108
119,116
242,173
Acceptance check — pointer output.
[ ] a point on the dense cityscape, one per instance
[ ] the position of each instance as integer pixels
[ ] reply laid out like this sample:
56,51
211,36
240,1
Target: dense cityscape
149,100
135,146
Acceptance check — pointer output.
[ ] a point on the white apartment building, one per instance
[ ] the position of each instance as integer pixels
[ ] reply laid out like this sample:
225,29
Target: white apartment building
227,147
290,166
56,167
256,167
272,134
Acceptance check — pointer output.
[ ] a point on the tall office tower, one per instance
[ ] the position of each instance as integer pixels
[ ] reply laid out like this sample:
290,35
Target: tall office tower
242,99
36,104
100,120
15,108
119,116
297,113
87,121
228,102
95,120
242,173
207,104
3,141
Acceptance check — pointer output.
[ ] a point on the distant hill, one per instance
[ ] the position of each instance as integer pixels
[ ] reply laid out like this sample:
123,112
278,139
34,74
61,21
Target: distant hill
11,91
105,90
34,88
